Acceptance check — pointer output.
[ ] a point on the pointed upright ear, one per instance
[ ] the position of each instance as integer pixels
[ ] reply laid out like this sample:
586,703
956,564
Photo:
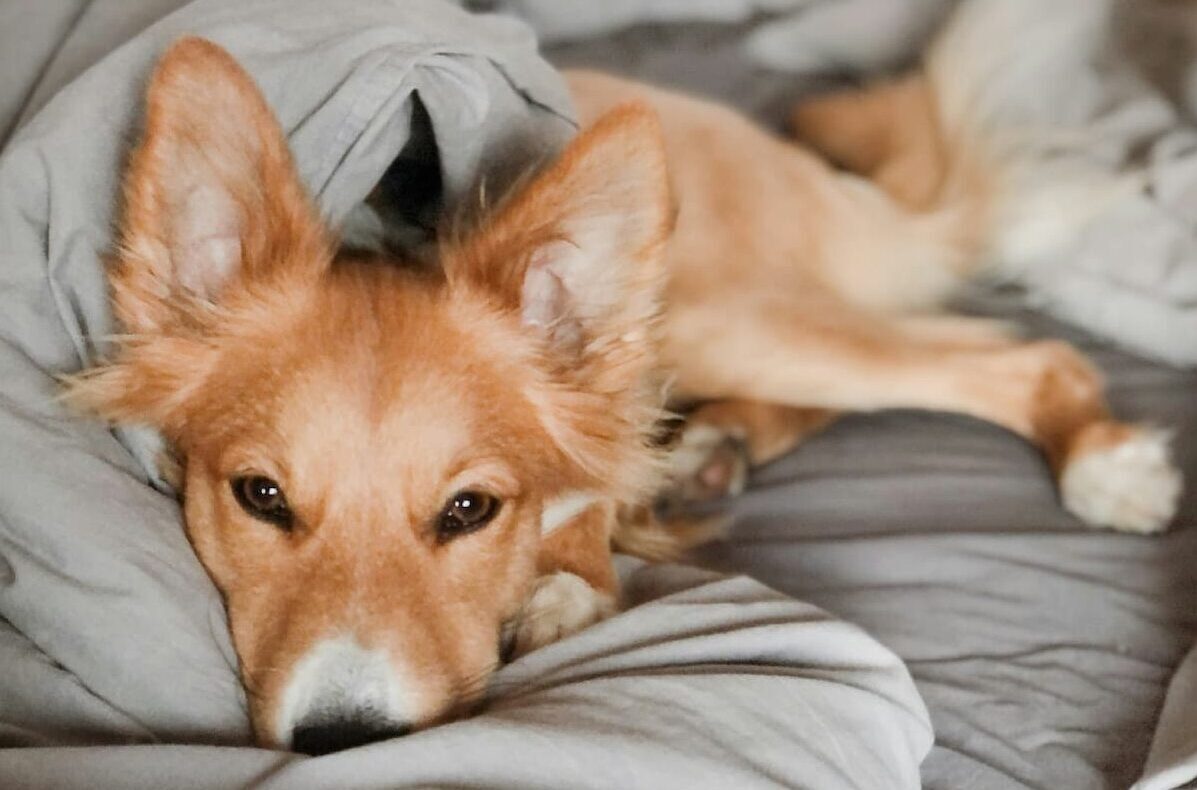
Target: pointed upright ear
579,250
211,193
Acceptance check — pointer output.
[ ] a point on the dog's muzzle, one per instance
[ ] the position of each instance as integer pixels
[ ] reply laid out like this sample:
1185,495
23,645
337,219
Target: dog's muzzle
342,695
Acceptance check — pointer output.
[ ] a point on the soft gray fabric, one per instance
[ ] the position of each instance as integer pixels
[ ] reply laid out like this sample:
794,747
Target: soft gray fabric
44,704
97,27
111,633
707,682
569,20
1132,275
1172,761
23,57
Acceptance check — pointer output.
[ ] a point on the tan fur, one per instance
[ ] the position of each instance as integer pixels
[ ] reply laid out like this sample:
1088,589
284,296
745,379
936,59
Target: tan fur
641,532
888,132
795,285
789,292
768,431
372,392
583,549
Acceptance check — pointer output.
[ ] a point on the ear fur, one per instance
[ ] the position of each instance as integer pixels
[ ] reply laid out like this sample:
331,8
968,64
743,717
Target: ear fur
578,251
211,194
150,383
213,206
577,255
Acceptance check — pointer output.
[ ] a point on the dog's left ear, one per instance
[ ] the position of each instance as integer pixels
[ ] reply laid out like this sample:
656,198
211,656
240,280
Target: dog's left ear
578,251
211,193
577,257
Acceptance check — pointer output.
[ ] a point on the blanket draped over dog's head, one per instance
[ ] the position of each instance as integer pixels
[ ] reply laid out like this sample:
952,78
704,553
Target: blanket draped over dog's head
441,98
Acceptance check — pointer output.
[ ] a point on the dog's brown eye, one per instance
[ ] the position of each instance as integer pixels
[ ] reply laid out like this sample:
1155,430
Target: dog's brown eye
263,499
465,512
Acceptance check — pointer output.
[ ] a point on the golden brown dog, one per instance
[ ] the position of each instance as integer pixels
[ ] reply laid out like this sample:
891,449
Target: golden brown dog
389,470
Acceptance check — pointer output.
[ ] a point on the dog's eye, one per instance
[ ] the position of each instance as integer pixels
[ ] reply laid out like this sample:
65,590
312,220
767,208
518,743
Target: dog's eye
263,499
465,512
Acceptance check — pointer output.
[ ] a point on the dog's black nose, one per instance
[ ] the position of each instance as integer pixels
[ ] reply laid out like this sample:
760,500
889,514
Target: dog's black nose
323,736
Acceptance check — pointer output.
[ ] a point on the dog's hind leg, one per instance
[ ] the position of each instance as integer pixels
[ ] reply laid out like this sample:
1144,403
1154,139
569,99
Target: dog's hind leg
888,132
1110,473
721,440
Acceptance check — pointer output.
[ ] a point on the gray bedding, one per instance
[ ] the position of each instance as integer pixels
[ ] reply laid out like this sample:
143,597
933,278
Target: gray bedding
1042,650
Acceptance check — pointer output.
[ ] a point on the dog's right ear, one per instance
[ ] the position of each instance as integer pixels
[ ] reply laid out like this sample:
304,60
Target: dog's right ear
211,194
214,212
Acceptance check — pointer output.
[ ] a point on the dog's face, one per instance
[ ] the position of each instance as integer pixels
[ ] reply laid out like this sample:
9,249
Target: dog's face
364,479
366,449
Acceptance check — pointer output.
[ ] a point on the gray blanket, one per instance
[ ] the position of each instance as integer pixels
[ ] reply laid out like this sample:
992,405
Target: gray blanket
110,631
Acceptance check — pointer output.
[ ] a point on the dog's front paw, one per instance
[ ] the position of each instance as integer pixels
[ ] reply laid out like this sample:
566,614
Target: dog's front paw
706,463
1128,482
561,604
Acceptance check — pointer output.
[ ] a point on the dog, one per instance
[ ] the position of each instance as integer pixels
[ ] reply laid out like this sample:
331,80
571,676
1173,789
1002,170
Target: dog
394,472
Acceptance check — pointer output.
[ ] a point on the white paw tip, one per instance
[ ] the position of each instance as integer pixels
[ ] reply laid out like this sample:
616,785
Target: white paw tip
562,604
1131,486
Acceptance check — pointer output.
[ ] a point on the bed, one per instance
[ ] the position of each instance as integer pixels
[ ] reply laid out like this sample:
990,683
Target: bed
1041,650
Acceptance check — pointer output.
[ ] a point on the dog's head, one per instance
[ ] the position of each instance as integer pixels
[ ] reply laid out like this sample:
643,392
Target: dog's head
365,448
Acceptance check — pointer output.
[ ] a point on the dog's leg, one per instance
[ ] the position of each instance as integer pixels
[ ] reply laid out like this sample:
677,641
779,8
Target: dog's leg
949,332
1110,473
723,439
888,132
577,585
